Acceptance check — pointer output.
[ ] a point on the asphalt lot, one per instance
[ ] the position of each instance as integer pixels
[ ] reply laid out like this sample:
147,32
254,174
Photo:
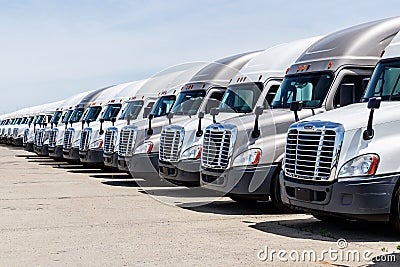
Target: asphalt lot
54,213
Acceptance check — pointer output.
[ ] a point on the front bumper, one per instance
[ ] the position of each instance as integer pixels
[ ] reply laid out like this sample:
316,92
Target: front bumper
17,141
143,165
92,156
71,154
29,147
56,152
185,172
41,150
249,181
111,160
358,198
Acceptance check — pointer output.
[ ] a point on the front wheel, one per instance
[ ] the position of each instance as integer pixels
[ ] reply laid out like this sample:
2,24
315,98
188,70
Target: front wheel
275,194
395,211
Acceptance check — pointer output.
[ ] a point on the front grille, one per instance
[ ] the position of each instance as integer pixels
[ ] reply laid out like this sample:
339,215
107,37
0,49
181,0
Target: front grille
85,140
53,138
216,148
110,140
127,140
15,133
68,135
39,136
311,154
171,143
26,133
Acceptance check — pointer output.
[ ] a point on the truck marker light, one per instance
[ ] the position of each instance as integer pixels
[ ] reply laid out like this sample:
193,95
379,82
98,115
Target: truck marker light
238,79
308,67
330,64
259,78
287,70
383,52
204,85
230,81
244,78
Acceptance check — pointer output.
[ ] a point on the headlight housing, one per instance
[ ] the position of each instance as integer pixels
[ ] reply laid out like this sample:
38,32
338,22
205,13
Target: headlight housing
364,165
249,157
193,152
144,148
97,144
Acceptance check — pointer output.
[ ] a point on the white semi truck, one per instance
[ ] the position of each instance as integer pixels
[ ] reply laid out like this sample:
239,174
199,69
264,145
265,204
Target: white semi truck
122,137
345,163
43,114
200,93
72,134
331,74
255,84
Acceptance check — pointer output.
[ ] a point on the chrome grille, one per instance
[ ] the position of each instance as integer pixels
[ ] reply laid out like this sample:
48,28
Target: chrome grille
39,136
110,140
26,133
127,140
311,152
85,140
171,140
68,135
53,137
216,148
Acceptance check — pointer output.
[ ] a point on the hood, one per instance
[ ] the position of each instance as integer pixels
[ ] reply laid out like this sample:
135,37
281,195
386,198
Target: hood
356,116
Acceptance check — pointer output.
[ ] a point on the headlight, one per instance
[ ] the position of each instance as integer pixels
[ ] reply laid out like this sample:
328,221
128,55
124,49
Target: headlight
364,165
144,148
249,157
97,144
193,152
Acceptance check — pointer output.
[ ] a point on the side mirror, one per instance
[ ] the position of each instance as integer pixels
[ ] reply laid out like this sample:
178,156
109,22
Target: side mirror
83,124
365,82
214,112
373,103
199,130
128,119
56,124
256,131
113,120
347,94
296,106
101,120
150,130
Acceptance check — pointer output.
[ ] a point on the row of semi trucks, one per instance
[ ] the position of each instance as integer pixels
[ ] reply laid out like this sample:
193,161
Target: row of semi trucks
309,124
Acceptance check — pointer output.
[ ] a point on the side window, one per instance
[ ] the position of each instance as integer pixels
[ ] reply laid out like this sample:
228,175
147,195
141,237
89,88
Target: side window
214,100
270,95
357,80
148,109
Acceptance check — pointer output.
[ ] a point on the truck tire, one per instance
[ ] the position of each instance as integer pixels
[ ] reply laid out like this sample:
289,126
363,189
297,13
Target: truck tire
395,211
275,194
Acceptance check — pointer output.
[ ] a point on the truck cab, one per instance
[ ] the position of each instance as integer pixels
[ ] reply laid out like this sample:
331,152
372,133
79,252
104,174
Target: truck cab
205,86
356,173
256,82
106,112
330,74
167,84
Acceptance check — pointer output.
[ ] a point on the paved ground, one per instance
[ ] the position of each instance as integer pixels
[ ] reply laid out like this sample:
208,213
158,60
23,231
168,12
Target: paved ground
59,214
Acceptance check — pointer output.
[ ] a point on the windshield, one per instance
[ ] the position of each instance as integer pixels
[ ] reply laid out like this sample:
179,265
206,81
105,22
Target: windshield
311,89
188,102
133,109
385,82
92,114
241,98
163,106
111,111
76,115
24,120
56,117
65,117
39,119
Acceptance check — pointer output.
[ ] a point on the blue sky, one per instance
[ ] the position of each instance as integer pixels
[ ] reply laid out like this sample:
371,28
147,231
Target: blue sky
53,49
